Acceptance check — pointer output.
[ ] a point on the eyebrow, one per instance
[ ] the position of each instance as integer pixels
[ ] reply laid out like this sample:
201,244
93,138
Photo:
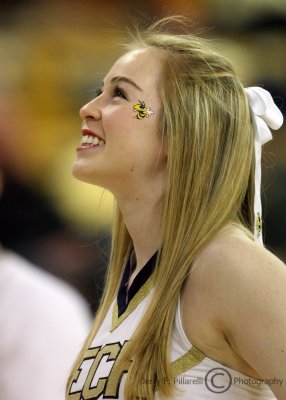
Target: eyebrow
116,79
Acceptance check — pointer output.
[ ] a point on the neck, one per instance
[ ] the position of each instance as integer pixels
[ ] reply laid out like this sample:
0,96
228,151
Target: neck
143,221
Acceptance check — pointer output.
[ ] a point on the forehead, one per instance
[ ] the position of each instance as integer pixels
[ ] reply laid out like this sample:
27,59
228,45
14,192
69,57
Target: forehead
144,66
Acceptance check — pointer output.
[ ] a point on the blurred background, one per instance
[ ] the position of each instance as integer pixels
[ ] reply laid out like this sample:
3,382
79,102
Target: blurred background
53,55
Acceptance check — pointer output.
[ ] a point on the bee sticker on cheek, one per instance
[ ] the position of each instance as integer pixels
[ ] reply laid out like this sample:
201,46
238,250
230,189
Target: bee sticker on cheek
142,110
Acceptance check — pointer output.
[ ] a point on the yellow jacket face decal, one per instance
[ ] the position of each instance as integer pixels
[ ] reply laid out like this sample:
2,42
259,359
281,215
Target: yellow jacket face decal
142,110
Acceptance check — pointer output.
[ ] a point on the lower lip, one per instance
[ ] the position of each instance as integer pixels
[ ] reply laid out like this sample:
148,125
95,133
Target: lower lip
90,147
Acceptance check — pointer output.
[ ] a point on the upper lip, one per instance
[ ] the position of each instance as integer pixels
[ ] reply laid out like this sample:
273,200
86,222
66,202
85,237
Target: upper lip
87,132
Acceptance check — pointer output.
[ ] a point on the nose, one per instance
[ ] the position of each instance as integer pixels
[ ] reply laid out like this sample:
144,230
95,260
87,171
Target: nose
90,110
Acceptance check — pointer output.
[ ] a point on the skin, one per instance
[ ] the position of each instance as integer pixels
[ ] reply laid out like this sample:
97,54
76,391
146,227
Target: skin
132,162
233,304
238,314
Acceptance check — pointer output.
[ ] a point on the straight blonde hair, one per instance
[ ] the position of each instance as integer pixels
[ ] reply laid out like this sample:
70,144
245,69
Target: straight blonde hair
206,126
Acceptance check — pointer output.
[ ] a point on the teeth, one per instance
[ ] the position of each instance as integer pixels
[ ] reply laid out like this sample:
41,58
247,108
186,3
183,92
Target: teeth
94,140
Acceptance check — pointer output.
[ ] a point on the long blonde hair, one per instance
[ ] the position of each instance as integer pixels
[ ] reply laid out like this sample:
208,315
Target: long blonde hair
206,125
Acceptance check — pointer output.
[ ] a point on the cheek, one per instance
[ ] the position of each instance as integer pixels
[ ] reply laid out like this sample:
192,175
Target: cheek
126,133
117,124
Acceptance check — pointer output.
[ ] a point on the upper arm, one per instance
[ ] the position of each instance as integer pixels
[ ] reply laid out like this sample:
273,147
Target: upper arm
248,285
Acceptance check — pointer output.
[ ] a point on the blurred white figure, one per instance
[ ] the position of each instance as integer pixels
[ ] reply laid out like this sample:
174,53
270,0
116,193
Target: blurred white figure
43,323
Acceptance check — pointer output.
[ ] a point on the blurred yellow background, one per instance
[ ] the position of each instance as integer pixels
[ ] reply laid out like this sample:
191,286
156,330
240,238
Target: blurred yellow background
53,56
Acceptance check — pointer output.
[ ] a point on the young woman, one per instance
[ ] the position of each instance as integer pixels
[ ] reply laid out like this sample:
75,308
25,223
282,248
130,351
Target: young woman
194,306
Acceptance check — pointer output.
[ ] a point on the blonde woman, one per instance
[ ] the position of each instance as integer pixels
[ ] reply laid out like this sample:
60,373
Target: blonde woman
194,306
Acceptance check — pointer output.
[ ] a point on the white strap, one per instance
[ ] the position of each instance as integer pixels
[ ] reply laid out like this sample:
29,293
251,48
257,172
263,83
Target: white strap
265,115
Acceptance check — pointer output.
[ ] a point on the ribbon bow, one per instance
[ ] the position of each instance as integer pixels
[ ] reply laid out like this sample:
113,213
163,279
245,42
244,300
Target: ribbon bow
265,115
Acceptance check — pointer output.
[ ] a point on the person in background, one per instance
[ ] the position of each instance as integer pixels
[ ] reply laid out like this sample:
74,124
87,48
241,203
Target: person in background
43,324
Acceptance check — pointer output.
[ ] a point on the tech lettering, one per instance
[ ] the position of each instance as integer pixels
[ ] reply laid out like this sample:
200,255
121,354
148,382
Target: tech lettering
86,386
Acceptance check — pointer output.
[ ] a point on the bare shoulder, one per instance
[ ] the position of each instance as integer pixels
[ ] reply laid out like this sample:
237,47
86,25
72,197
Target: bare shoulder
237,288
232,258
231,273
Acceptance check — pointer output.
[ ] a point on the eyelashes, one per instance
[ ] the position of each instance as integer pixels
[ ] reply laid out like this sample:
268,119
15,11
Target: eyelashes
98,92
116,92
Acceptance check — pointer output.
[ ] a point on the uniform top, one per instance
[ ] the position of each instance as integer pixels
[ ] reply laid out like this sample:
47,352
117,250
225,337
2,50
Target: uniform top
196,376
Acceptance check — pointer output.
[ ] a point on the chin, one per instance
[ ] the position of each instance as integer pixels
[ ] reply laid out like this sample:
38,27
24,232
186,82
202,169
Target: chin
81,173
87,174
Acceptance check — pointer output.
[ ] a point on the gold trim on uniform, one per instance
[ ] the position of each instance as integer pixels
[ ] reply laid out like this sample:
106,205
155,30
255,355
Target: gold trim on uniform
193,357
139,296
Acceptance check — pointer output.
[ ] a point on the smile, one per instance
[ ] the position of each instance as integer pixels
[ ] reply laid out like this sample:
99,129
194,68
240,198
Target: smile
89,140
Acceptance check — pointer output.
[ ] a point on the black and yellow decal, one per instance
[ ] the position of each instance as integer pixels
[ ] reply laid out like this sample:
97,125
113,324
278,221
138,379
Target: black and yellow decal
142,110
258,224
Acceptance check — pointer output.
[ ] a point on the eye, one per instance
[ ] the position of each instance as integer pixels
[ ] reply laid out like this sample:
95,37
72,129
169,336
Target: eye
119,93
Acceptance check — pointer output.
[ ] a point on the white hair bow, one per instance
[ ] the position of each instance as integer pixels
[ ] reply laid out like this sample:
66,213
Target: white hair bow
265,115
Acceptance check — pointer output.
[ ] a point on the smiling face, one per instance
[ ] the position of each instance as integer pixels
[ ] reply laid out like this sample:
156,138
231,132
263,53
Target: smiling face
125,151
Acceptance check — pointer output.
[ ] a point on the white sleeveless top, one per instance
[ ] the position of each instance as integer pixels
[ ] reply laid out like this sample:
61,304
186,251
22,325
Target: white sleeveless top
197,377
